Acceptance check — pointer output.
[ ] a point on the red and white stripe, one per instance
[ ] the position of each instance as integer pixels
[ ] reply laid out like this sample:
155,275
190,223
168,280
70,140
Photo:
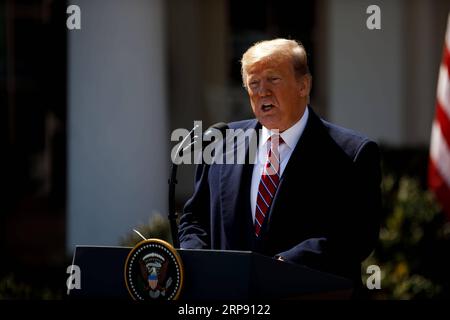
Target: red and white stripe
268,185
439,165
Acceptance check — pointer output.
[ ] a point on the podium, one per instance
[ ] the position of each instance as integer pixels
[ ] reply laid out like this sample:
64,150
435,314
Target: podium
211,275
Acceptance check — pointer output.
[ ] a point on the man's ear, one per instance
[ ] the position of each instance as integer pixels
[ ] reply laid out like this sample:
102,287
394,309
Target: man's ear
305,85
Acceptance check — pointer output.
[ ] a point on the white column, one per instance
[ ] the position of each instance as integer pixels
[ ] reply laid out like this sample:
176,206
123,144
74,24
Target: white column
383,82
118,140
366,69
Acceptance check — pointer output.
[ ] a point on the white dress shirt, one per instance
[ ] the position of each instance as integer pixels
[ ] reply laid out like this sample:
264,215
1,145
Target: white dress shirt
290,138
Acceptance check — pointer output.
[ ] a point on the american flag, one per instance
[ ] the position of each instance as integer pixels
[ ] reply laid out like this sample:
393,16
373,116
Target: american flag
439,165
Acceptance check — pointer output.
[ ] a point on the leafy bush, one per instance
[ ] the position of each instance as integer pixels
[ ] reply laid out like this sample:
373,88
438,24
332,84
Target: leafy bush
12,289
157,227
414,239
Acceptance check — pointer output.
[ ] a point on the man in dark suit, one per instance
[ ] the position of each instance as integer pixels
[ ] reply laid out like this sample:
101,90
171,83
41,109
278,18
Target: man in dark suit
314,199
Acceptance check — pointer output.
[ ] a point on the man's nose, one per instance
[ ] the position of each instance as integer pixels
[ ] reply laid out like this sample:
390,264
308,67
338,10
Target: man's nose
264,89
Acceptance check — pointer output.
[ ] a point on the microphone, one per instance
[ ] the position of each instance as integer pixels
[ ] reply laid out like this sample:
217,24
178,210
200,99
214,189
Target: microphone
212,134
219,126
217,131
180,151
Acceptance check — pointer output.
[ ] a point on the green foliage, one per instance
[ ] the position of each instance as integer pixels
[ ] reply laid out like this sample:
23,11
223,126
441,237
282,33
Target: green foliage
12,289
411,238
157,227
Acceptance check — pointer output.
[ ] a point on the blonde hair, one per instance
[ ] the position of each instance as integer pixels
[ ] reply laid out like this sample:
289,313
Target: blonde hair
276,49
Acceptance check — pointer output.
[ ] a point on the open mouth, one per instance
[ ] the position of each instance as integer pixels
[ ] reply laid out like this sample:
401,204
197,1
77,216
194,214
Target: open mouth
267,107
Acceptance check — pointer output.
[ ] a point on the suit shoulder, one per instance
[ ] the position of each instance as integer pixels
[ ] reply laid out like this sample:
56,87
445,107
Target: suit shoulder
349,140
243,124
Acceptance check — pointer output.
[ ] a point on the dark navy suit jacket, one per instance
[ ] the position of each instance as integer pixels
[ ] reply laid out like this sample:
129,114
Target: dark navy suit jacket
325,213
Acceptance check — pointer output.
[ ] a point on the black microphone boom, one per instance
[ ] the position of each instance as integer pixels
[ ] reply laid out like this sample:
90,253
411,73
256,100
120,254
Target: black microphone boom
220,126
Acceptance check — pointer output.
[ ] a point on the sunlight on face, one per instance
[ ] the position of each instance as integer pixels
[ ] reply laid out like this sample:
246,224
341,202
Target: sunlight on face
278,98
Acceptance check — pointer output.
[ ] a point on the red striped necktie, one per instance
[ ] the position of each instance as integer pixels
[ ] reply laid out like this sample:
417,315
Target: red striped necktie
268,185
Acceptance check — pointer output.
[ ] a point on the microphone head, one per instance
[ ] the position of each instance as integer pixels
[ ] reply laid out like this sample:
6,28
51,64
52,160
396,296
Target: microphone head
220,126
209,133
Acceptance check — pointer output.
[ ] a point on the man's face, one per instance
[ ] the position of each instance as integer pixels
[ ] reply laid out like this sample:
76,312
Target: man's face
277,97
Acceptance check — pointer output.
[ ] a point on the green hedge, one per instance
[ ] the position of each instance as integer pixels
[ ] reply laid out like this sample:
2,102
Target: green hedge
414,242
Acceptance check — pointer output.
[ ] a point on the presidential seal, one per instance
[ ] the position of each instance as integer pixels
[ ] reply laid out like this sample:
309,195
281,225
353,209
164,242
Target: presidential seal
154,271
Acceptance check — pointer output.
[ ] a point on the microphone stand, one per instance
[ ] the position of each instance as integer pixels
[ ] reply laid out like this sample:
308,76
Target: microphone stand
172,213
173,177
172,184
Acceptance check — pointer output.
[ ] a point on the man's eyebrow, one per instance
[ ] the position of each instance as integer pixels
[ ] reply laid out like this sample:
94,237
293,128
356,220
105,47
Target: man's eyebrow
270,71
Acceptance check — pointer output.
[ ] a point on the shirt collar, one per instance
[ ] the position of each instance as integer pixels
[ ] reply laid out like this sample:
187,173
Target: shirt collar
291,135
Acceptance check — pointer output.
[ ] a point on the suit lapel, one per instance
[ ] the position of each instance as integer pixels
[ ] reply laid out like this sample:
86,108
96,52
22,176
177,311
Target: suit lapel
235,187
298,164
235,200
